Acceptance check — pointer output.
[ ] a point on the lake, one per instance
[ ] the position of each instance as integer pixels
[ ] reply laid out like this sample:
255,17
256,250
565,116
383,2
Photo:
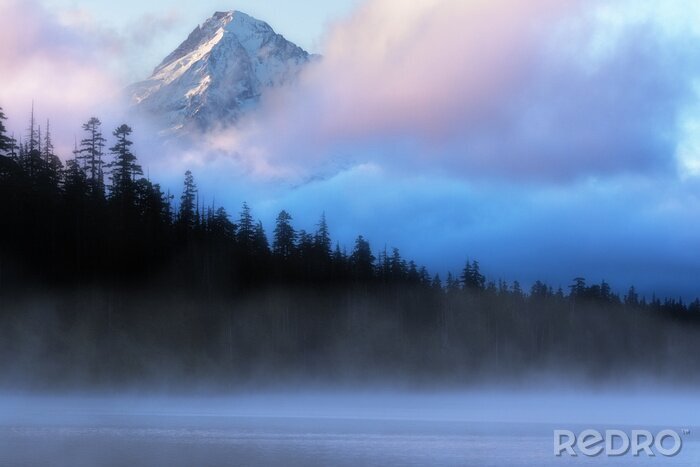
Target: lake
479,428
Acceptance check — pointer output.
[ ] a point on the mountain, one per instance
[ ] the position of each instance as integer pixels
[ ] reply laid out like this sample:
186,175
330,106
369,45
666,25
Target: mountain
218,73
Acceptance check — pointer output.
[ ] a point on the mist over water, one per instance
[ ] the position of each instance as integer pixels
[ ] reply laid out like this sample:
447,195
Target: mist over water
487,426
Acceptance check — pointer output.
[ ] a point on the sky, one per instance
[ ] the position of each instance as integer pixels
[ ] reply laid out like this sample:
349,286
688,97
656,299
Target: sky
160,25
546,139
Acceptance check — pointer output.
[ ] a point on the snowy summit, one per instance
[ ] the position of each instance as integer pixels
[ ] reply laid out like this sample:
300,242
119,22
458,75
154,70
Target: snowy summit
220,71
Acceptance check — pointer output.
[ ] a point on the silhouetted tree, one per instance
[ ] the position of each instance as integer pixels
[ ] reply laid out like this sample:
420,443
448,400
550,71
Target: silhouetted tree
221,226
540,290
632,298
397,266
260,245
91,155
436,283
578,288
472,279
306,253
52,162
246,228
123,168
6,142
187,216
32,134
76,185
322,239
451,284
152,205
605,292
283,242
517,290
362,259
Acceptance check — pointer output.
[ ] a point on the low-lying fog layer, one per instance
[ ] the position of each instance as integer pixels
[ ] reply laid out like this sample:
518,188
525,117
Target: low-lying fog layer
310,428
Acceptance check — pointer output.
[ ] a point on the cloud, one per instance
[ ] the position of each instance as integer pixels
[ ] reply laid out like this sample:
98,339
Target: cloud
63,70
637,231
529,91
395,68
72,67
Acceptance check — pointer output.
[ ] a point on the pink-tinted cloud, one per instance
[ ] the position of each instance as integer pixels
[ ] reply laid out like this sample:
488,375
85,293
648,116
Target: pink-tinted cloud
532,90
418,66
537,90
66,71
420,70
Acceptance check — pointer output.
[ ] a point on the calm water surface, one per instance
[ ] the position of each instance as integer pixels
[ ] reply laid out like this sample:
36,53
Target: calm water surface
479,429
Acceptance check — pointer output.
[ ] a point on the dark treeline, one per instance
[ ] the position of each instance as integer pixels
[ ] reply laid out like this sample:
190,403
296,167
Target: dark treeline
98,219
105,279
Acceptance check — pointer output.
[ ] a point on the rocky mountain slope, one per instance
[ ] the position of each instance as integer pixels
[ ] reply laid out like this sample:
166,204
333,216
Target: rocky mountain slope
218,73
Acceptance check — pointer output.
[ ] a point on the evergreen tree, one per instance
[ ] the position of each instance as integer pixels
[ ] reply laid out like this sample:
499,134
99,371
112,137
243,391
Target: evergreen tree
52,162
32,135
423,276
47,150
436,283
362,259
322,239
632,298
338,262
338,256
221,226
33,164
560,294
6,142
75,184
605,292
246,228
472,279
305,249
92,153
14,148
412,273
187,217
517,290
124,168
539,290
452,284
397,266
491,289
578,288
151,204
29,154
383,268
283,241
260,246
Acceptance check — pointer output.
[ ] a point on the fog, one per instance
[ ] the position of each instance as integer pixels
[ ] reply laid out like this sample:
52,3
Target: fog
136,381
554,403
485,426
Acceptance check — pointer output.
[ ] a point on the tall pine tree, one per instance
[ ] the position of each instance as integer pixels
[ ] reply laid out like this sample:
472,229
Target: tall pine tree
187,216
124,168
246,229
283,243
91,155
6,142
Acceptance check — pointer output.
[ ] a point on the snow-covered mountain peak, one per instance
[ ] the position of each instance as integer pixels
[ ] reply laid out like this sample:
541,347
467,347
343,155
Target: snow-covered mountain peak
218,72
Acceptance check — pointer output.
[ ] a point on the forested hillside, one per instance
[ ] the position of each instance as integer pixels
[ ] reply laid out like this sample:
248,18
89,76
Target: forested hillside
106,279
